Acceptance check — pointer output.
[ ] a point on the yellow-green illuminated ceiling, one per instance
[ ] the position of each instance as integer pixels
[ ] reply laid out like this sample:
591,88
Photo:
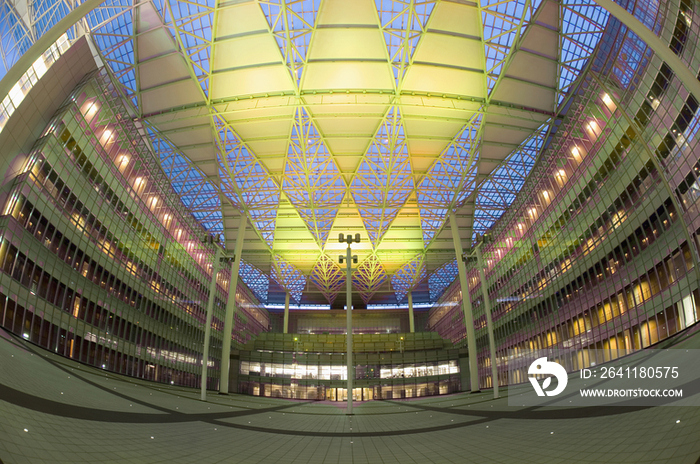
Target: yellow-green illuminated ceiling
374,117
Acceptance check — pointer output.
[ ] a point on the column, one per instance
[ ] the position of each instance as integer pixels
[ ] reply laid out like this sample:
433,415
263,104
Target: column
411,321
207,324
489,320
466,306
286,312
231,309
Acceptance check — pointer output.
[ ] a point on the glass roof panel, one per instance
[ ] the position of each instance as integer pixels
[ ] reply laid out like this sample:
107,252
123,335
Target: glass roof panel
499,191
47,13
384,179
197,192
114,37
402,23
192,28
312,180
15,38
407,277
246,182
255,279
583,23
289,277
502,22
449,179
441,278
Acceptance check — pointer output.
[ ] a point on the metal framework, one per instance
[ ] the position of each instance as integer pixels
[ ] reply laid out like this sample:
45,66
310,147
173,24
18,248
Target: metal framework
312,115
383,180
442,278
289,277
255,279
369,277
406,278
328,277
312,180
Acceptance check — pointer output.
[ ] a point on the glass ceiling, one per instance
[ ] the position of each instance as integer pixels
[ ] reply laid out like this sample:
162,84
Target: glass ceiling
316,117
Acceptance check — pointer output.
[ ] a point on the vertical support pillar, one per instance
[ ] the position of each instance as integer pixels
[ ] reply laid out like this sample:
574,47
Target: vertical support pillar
231,308
207,323
286,312
489,319
348,291
466,306
411,321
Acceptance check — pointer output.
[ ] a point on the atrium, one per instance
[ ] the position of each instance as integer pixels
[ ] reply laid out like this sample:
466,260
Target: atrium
233,231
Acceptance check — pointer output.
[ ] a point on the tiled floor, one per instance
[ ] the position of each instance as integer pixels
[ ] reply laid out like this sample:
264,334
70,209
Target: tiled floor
54,410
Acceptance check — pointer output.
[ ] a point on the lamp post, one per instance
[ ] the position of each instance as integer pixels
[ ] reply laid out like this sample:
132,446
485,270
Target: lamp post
349,259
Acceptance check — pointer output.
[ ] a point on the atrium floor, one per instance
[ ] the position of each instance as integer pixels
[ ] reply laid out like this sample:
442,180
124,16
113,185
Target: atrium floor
53,410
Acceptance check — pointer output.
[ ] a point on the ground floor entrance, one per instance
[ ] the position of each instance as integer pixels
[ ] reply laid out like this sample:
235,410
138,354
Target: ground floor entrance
341,394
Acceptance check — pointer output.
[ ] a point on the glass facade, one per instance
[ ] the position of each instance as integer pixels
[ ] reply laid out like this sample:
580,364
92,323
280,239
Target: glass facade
387,366
100,260
600,251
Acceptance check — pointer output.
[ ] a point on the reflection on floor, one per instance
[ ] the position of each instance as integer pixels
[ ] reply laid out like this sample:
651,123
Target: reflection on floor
53,410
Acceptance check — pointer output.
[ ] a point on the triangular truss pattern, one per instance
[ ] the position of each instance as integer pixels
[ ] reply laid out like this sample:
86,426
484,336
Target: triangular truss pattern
403,23
289,277
442,278
583,23
384,179
196,191
245,181
498,192
15,36
46,13
191,25
112,29
255,279
502,22
312,180
328,277
292,24
407,277
449,180
369,277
